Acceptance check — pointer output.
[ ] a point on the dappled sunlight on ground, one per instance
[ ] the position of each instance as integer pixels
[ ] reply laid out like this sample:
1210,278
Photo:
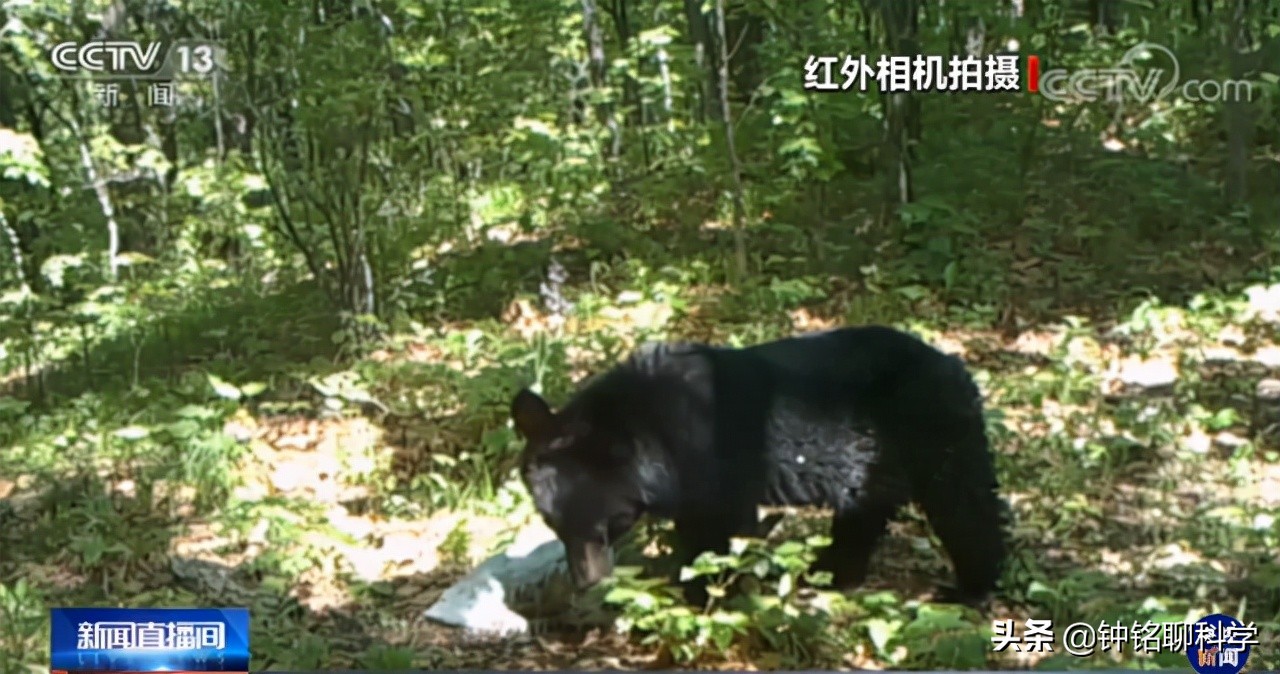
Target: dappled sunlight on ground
1142,529
1125,482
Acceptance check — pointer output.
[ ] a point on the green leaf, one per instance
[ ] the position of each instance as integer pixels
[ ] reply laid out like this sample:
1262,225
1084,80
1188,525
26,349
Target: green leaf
132,258
132,433
195,412
785,585
183,429
949,274
222,388
252,389
13,406
913,292
881,631
1038,588
620,595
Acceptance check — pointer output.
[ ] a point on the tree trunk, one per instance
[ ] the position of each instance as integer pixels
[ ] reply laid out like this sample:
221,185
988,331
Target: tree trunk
1237,114
15,245
735,166
104,199
618,9
598,68
1104,15
901,108
744,33
705,54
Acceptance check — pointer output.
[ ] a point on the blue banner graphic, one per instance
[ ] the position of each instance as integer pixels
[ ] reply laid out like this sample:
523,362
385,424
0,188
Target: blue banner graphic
149,639
1220,644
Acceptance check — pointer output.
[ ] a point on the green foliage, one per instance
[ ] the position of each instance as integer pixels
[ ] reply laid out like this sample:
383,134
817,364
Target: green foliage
355,223
928,637
24,629
764,605
456,546
386,658
755,603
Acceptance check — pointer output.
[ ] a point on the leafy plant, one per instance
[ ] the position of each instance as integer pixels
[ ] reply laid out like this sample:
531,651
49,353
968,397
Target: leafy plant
756,603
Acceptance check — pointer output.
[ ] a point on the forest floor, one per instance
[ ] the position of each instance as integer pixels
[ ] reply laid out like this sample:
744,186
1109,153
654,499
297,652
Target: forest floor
1139,457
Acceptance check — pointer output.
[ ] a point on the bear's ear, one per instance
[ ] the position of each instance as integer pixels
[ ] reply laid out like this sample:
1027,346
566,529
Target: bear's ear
533,416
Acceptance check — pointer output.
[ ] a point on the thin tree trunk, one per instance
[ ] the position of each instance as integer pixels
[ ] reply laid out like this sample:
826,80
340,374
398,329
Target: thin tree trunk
744,32
595,45
217,120
735,166
901,108
664,71
700,34
618,9
1103,15
1237,114
104,200
16,248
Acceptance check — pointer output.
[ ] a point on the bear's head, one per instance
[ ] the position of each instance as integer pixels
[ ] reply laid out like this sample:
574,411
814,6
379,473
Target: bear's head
578,471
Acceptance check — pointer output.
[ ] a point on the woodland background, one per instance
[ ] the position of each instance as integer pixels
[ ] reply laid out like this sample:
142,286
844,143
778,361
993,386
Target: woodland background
257,347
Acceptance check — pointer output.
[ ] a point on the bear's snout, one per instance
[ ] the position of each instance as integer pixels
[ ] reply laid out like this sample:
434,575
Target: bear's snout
588,564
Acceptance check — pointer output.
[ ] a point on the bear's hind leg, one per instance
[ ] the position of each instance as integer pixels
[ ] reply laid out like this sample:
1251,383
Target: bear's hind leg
855,534
969,520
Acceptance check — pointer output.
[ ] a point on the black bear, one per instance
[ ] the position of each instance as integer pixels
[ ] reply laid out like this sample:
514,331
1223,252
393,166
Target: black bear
858,420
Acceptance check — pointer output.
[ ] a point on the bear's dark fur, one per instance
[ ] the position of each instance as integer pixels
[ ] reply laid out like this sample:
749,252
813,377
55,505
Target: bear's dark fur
860,420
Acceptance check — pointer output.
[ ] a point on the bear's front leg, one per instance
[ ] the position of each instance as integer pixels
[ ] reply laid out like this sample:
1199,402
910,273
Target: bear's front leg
694,536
